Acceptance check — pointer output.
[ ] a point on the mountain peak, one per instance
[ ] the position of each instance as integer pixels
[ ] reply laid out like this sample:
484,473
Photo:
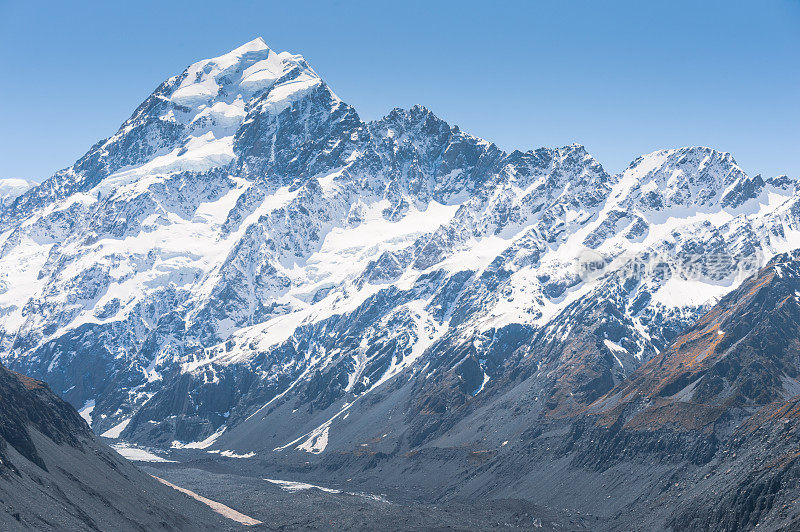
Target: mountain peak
247,53
242,72
11,188
681,177
682,156
190,120
255,45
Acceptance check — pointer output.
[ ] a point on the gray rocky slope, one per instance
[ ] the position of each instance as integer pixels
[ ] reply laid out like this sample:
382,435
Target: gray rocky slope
56,475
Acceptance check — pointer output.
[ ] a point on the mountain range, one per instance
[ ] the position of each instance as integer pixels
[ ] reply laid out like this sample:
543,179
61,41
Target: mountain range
248,272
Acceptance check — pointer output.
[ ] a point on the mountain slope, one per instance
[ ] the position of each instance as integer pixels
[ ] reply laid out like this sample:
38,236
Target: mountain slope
723,396
701,437
718,407
741,355
246,253
54,474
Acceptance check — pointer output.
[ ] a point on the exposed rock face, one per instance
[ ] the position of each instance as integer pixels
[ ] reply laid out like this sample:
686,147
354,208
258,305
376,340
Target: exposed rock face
55,475
741,355
723,397
29,402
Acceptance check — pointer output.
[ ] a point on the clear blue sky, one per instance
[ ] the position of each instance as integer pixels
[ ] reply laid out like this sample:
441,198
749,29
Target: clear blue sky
621,77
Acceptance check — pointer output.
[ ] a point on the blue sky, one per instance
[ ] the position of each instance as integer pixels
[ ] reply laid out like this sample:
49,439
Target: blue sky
621,77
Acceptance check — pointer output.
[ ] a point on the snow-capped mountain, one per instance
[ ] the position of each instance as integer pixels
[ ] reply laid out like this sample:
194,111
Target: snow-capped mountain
11,189
246,256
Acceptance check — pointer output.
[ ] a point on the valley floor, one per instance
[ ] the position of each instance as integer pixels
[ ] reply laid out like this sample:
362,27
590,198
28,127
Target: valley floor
298,506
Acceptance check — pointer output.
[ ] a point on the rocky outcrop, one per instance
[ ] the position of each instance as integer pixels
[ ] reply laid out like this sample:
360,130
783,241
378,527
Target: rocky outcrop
55,475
